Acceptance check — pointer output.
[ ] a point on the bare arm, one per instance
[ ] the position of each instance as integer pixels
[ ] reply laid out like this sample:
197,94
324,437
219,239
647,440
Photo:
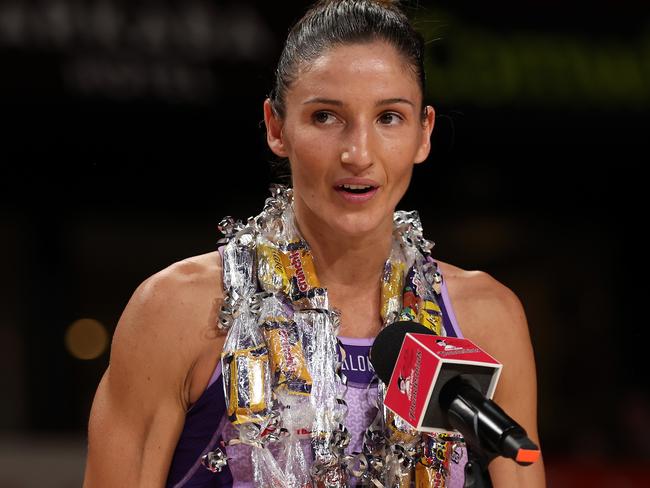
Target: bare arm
492,316
158,349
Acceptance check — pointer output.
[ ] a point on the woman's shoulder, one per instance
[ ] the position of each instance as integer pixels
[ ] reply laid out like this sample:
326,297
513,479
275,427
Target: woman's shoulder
182,290
184,283
486,309
475,285
200,270
185,296
170,323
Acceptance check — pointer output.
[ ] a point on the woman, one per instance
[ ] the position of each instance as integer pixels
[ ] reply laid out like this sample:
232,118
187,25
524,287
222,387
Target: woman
347,112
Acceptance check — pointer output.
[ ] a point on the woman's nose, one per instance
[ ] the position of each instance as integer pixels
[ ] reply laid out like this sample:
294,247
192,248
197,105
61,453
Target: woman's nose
356,151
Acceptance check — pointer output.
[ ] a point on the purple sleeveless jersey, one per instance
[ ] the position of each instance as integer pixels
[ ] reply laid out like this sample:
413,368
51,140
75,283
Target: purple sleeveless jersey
206,425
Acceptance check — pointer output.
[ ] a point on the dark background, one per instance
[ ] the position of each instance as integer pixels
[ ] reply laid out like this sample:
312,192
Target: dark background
129,128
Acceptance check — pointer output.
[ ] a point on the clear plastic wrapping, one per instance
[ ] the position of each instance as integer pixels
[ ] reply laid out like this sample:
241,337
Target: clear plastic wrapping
289,370
329,435
245,370
281,370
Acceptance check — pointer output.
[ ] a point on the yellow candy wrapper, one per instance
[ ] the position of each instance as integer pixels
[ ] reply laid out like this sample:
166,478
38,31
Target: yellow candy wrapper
392,285
427,477
270,269
287,359
430,315
299,267
244,374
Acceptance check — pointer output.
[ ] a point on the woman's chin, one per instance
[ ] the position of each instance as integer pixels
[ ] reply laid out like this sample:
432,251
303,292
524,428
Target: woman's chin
357,225
334,222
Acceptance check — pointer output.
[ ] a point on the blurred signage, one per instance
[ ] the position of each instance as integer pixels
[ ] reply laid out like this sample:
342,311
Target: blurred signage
183,52
526,68
121,49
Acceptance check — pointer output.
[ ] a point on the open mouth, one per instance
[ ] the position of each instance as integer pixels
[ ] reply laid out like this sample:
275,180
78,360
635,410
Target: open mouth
356,189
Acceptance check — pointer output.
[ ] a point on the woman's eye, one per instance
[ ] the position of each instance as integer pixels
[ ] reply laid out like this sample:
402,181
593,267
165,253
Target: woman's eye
390,118
323,117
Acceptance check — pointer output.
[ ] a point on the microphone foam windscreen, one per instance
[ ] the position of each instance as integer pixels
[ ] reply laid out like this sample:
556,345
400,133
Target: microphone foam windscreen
386,346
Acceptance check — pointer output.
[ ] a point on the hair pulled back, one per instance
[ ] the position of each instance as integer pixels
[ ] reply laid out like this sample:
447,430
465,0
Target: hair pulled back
332,23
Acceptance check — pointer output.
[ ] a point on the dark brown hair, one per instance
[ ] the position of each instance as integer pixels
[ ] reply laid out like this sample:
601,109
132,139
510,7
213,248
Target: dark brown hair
331,23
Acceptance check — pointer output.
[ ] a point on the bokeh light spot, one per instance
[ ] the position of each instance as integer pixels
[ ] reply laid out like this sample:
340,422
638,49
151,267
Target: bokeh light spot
86,339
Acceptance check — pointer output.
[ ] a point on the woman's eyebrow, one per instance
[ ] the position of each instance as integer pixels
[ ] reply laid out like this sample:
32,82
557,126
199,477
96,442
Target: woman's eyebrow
327,101
339,103
390,101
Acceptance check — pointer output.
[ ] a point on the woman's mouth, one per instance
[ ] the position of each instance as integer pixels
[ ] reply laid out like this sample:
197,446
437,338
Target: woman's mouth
356,193
357,189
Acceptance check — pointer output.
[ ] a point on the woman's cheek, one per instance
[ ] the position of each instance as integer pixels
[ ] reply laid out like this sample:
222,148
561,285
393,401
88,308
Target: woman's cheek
315,156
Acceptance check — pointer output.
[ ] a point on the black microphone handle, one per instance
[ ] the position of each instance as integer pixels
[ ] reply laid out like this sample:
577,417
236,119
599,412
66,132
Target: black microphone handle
482,422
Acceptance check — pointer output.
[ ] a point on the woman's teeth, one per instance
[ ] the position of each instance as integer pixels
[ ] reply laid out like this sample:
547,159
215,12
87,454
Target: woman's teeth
356,188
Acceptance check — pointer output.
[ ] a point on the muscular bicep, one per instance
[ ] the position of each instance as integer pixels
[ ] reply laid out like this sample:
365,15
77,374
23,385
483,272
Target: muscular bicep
130,442
138,410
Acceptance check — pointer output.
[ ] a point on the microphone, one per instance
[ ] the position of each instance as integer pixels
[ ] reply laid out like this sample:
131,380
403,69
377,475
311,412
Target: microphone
437,384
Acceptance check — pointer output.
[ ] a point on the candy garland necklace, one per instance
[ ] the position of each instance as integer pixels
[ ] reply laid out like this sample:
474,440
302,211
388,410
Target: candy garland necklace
280,365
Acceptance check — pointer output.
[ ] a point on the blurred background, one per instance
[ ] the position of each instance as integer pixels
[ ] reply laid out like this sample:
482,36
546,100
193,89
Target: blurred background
129,128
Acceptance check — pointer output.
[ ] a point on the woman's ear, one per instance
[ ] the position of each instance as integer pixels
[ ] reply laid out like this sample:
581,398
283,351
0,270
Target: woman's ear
273,130
427,128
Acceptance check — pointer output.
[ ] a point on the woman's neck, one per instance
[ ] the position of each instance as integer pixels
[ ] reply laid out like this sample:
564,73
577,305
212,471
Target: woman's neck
344,261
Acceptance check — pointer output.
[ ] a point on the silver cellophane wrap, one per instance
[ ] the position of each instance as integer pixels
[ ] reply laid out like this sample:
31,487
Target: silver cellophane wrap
281,367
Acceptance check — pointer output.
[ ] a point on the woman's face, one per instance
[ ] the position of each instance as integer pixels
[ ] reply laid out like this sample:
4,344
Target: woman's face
352,131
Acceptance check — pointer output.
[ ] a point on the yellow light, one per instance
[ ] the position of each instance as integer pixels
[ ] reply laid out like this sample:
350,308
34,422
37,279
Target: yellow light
86,339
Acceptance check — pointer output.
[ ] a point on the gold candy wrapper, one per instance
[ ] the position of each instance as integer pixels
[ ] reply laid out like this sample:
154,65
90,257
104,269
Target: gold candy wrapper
245,372
270,269
292,272
392,284
288,364
299,267
427,477
430,315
